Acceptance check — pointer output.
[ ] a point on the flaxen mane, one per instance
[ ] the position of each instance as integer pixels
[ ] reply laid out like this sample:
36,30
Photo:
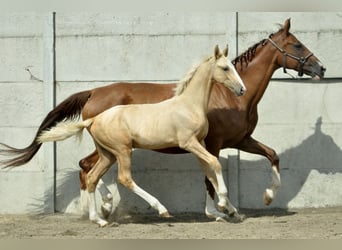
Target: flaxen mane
183,83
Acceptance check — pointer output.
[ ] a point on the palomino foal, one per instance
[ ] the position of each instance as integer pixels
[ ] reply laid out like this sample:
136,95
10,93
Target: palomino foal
180,121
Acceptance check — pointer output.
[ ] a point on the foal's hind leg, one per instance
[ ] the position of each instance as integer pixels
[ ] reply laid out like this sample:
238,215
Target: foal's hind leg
86,165
106,159
125,178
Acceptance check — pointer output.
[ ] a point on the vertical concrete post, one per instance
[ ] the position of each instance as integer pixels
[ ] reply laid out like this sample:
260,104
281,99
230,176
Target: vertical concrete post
232,36
234,177
233,156
50,101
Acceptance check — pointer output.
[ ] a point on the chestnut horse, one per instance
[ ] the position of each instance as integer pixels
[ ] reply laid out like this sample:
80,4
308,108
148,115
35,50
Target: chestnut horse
231,120
180,121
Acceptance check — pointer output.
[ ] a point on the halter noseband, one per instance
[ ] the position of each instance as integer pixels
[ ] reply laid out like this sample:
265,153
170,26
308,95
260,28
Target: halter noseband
301,60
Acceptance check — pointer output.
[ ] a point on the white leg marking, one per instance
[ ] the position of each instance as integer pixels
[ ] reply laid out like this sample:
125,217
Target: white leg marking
103,189
276,183
149,199
107,199
84,202
211,211
93,216
222,191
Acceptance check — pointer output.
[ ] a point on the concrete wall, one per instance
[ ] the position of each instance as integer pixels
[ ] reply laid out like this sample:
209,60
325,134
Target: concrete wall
300,120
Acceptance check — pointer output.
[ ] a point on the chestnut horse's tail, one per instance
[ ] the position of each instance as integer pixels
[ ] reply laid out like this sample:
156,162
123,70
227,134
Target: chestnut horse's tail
69,109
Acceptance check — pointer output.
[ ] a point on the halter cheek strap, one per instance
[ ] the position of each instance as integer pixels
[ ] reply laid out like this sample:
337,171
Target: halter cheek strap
301,60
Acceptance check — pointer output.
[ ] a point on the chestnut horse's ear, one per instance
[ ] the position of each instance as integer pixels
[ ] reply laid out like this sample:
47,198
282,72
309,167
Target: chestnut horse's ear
217,52
225,51
287,25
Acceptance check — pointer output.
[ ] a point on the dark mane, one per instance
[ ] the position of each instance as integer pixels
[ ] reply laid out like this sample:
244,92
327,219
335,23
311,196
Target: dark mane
248,55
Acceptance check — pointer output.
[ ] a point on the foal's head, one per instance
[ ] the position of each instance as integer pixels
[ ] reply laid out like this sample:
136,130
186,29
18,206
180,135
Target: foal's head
293,54
225,72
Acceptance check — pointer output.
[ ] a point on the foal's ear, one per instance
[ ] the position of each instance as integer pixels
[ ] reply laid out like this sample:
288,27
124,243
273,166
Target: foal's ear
225,51
217,52
287,25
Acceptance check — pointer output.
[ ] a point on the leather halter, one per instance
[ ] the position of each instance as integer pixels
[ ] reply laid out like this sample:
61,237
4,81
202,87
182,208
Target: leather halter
302,60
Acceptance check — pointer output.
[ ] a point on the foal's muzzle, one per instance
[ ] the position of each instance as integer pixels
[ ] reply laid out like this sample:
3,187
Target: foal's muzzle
242,91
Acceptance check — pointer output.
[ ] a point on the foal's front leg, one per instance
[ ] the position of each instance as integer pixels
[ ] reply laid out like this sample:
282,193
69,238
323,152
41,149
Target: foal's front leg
213,171
210,209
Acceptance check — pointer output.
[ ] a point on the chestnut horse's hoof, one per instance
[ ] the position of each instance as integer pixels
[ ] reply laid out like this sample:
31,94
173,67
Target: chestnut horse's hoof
236,217
106,209
165,215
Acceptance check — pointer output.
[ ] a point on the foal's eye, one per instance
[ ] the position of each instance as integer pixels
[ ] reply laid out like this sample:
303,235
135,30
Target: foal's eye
225,68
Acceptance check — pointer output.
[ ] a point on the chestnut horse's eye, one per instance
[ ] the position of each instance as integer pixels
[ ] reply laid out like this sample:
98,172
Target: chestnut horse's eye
298,45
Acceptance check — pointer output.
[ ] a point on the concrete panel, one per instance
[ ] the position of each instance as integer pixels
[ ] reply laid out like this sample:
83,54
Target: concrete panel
22,101
21,104
137,50
131,57
301,102
18,53
140,23
21,192
21,45
21,24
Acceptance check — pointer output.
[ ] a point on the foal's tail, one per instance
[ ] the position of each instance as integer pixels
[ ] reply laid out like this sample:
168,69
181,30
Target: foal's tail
69,109
64,130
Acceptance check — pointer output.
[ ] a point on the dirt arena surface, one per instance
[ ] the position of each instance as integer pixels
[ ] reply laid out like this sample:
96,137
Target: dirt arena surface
323,223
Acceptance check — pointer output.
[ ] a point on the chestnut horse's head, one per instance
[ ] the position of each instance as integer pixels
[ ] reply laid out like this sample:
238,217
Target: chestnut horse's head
295,55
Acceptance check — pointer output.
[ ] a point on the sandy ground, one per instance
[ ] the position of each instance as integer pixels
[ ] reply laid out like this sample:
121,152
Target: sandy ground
323,223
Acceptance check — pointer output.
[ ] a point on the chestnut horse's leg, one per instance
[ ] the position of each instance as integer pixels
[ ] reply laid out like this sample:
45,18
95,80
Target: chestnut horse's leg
253,146
86,165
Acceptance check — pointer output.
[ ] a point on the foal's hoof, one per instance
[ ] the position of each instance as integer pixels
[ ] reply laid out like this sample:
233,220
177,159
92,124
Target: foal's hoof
165,215
236,217
106,210
268,197
220,219
100,222
103,223
214,214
